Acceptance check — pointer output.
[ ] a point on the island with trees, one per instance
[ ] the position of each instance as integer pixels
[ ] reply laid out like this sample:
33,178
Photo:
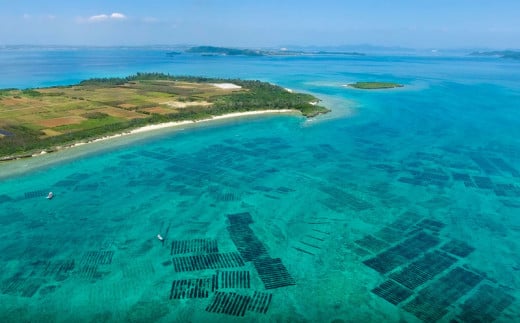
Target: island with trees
226,51
33,120
511,54
375,85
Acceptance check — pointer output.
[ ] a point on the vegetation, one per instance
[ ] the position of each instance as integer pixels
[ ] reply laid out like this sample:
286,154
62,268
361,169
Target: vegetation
211,50
374,85
223,51
44,118
502,54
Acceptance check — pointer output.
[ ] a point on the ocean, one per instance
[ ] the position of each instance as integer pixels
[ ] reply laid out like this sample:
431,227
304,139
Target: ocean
401,205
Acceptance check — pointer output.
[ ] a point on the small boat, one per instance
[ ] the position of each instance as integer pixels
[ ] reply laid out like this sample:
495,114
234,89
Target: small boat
160,237
50,196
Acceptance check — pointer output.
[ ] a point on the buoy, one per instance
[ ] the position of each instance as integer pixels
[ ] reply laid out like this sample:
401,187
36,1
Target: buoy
160,237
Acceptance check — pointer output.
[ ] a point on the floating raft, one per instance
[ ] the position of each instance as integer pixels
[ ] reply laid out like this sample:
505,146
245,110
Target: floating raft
191,288
271,270
195,246
209,261
229,303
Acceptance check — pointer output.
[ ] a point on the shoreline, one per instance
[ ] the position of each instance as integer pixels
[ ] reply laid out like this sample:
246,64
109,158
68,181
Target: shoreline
145,130
173,124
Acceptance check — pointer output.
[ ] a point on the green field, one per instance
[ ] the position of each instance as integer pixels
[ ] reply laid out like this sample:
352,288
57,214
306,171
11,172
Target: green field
44,118
375,85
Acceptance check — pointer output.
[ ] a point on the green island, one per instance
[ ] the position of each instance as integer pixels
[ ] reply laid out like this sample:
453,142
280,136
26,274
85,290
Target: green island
511,54
374,85
44,119
226,51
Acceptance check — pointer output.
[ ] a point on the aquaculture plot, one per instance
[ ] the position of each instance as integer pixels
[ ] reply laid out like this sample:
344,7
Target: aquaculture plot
93,264
260,302
372,244
486,305
235,304
271,271
191,288
433,302
483,163
97,258
21,285
194,245
392,292
207,261
423,269
389,235
247,243
507,190
405,221
39,273
424,178
58,270
240,219
432,225
346,199
402,253
458,248
232,279
229,303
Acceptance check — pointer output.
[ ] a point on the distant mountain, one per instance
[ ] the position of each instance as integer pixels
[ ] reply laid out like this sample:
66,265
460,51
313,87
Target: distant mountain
511,54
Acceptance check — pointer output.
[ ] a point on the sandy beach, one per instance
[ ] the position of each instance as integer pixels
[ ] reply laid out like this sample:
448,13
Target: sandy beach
182,123
16,166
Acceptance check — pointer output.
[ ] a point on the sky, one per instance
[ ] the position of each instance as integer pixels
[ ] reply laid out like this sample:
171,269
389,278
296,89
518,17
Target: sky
263,23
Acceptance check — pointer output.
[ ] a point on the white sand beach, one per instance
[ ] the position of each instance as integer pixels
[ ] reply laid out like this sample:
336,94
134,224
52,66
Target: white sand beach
16,166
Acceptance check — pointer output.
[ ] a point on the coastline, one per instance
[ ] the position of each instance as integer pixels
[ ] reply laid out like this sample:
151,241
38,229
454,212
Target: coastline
10,166
173,124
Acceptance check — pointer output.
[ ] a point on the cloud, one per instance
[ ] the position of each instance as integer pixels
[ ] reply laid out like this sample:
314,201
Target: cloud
117,15
105,17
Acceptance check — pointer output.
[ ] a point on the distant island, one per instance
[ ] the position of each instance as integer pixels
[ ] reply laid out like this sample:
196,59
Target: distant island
511,54
226,51
374,85
33,120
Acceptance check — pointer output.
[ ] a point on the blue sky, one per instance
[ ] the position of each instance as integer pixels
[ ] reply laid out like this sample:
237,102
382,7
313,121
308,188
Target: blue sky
263,23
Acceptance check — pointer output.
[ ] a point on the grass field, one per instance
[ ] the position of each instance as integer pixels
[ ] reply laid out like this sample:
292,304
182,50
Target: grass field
45,117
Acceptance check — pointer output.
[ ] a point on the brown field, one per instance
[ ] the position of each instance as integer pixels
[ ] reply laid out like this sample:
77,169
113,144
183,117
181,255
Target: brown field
50,133
50,123
48,109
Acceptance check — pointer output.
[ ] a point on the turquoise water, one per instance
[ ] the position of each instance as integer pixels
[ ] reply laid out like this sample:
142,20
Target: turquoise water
401,205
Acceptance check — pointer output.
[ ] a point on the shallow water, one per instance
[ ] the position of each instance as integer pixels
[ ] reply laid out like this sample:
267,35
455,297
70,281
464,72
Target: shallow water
401,205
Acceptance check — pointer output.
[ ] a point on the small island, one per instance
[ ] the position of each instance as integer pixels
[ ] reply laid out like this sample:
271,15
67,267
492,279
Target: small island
45,119
511,54
375,85
225,51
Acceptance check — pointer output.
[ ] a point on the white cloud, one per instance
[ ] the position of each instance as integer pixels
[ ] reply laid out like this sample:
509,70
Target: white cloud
117,15
105,17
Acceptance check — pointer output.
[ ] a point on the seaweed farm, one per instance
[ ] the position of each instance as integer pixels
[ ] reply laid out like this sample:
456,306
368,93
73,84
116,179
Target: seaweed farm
398,206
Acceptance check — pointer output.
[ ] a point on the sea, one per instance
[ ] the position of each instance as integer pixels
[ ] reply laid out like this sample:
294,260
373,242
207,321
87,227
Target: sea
401,205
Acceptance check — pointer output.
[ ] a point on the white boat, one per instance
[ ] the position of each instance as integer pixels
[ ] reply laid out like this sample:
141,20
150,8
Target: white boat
160,237
50,196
